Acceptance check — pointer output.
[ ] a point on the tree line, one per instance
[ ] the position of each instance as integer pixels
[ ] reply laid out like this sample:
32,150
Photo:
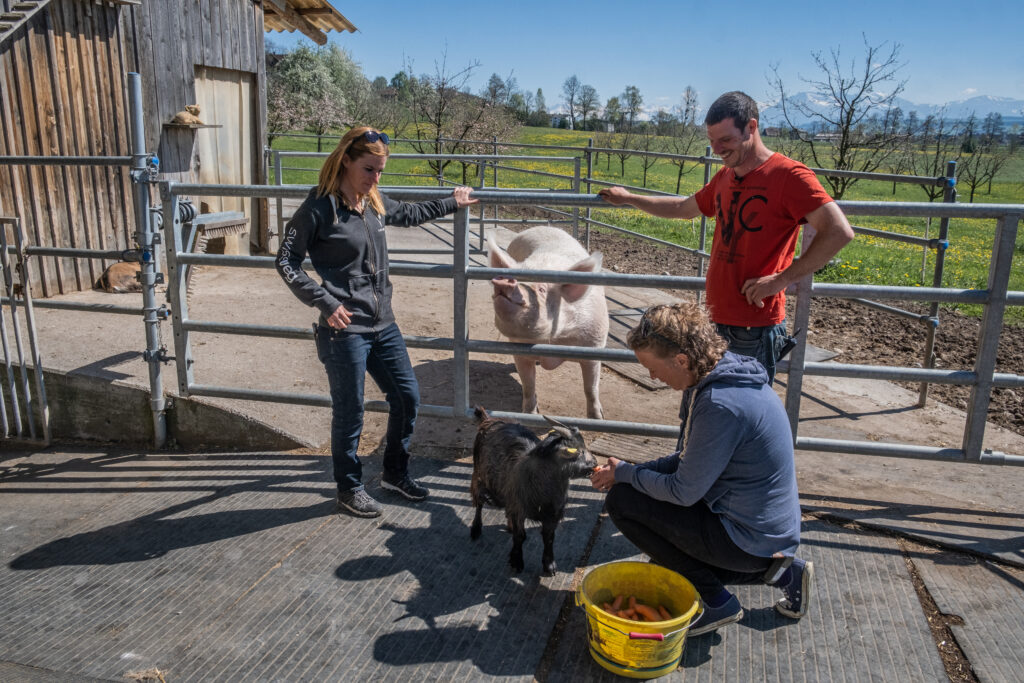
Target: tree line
323,89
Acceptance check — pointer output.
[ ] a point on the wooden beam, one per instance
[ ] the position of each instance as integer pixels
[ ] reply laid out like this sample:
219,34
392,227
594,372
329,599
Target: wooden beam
288,13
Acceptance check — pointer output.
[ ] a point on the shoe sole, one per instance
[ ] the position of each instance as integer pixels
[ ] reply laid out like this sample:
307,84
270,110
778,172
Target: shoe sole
806,586
392,487
707,628
356,512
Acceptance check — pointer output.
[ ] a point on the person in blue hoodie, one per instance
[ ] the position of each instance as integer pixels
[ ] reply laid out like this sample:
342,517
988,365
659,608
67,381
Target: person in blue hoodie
723,509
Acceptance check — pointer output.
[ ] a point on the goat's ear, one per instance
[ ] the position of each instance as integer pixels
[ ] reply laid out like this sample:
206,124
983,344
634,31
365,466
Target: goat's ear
561,429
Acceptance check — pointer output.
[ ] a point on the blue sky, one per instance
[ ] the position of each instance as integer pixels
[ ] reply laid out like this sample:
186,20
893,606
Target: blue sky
952,50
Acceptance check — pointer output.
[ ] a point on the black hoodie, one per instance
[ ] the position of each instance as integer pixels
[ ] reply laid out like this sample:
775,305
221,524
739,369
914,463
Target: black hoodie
350,254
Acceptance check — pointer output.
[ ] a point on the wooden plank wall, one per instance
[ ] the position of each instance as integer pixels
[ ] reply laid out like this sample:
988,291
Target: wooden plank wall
184,35
62,93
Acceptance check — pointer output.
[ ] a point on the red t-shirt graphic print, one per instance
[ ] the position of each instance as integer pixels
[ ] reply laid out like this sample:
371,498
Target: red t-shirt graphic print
757,220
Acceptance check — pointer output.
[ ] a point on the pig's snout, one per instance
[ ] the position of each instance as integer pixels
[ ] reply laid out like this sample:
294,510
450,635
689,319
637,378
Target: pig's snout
508,288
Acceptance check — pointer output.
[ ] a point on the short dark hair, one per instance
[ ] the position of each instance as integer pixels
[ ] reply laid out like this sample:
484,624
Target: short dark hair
735,105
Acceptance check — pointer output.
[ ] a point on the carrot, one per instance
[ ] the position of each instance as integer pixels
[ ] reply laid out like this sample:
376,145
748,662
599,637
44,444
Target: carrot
623,614
665,614
631,614
648,613
617,602
632,602
607,607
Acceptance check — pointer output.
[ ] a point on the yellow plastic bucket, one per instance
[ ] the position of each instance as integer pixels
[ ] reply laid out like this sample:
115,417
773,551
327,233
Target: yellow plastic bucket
637,649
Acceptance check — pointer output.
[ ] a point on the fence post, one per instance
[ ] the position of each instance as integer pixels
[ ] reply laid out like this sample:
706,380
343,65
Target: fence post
279,179
460,319
590,171
948,197
576,209
494,168
801,321
988,342
481,183
703,220
143,168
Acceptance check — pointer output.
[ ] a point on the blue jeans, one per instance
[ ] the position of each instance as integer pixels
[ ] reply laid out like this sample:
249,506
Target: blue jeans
689,540
761,343
347,358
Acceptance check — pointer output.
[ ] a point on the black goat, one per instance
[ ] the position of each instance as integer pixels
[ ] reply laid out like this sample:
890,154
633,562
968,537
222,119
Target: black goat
514,469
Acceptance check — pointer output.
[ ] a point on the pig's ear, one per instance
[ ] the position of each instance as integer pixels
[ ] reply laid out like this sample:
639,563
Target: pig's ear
498,257
591,264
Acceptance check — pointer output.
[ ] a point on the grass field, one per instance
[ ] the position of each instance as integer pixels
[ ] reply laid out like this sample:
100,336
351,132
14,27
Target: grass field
867,260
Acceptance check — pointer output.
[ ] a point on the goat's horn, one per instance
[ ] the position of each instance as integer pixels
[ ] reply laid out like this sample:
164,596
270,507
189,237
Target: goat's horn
562,429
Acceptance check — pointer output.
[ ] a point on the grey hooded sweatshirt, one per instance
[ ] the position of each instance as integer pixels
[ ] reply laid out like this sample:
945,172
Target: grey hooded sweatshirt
737,459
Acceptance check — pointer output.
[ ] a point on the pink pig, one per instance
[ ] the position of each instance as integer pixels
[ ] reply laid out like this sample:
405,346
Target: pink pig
545,313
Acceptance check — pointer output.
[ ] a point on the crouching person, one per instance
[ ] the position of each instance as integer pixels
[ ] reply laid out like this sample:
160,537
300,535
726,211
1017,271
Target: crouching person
723,509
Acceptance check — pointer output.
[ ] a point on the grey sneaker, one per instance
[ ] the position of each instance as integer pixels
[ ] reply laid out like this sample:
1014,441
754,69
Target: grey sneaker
359,503
797,600
406,485
713,617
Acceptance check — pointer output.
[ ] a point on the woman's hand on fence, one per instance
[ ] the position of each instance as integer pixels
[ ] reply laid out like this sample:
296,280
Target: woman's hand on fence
463,198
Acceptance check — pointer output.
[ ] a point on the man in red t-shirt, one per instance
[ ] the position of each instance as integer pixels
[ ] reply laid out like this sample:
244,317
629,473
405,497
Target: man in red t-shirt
759,199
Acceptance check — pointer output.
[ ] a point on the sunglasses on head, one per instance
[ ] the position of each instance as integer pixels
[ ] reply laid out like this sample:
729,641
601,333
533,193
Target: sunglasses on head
374,136
646,330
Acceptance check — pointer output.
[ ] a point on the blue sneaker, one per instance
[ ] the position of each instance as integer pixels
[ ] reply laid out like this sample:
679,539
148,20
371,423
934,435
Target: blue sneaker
797,594
713,617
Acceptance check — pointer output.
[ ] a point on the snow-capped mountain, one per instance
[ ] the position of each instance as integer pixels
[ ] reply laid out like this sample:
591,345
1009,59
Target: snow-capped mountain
1011,110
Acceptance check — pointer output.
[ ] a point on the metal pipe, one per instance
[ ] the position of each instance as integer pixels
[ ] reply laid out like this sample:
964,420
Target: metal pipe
75,306
880,448
897,237
923,318
991,327
8,279
949,196
64,161
148,275
460,318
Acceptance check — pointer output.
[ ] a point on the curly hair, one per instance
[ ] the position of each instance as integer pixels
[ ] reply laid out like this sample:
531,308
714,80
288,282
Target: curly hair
684,328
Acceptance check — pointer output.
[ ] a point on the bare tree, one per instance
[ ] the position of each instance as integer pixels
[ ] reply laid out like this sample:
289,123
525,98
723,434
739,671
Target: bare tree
854,94
571,90
688,137
449,117
934,142
622,143
648,142
588,103
984,153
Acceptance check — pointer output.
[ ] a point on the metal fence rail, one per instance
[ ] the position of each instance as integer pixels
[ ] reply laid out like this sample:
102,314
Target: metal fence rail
981,378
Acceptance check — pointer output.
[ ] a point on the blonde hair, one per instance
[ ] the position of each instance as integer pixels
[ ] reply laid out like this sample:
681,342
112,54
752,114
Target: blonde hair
353,144
684,328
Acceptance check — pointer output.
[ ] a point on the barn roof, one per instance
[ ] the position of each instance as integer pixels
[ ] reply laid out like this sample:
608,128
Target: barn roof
310,17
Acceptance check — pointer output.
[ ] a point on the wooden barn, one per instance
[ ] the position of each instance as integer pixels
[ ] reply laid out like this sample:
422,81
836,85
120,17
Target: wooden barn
63,73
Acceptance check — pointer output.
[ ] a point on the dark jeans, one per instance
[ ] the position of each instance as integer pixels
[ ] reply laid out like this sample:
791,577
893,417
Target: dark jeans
347,358
761,343
688,540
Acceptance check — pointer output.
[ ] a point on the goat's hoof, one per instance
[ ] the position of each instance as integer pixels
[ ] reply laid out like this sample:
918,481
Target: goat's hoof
550,570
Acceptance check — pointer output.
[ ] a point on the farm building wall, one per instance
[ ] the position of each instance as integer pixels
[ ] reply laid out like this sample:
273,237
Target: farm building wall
63,93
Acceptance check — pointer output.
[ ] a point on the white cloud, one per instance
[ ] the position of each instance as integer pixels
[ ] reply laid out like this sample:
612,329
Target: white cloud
969,92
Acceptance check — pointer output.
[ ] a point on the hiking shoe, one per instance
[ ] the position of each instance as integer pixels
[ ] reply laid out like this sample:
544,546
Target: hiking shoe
405,485
713,617
359,503
797,594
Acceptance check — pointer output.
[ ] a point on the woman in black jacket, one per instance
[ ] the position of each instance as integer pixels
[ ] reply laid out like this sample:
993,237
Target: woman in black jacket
341,226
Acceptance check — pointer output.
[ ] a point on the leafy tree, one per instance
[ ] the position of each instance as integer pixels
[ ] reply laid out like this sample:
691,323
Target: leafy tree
571,90
854,94
587,103
613,111
632,104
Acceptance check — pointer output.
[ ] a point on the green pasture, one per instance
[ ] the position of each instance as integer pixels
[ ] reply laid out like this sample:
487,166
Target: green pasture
867,260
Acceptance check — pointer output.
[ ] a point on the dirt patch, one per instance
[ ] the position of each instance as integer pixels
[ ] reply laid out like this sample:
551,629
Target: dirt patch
861,335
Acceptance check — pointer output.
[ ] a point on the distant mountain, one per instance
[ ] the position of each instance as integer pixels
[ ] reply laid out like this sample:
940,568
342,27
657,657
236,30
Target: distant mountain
1011,110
